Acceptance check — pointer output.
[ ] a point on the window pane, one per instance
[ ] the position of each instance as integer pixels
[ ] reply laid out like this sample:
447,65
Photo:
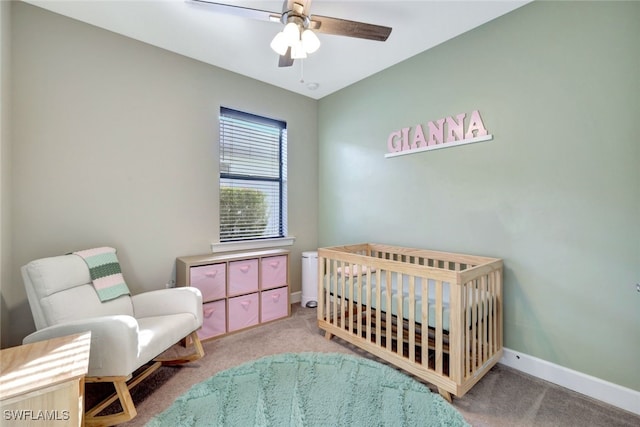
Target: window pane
249,209
252,176
249,149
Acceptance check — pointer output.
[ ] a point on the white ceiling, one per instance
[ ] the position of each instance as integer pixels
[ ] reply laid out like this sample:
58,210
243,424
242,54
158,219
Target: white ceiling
241,45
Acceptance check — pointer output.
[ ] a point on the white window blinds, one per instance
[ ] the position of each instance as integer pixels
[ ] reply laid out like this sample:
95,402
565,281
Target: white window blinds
252,176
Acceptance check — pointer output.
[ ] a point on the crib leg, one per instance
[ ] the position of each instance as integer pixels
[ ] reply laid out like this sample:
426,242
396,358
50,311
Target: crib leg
328,335
444,393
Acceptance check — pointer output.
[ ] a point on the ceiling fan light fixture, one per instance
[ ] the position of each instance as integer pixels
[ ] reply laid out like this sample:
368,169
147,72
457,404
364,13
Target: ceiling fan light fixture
292,33
279,43
298,51
310,41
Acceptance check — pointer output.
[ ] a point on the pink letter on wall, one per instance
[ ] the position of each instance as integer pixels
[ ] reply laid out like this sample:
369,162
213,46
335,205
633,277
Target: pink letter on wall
455,130
436,132
475,125
405,138
392,143
418,138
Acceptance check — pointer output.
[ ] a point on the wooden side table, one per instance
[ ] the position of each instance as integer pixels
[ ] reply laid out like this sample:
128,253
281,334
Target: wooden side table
43,383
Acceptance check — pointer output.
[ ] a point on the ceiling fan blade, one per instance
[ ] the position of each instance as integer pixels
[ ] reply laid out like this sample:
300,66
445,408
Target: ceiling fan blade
286,60
344,27
244,12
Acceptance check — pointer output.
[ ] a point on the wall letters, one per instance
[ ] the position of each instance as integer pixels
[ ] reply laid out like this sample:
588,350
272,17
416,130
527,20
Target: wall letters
442,133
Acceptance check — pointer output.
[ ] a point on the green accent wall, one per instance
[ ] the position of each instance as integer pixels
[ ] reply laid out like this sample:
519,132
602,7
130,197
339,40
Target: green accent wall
556,193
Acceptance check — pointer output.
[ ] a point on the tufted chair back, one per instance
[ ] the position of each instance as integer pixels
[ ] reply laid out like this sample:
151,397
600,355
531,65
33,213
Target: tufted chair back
59,290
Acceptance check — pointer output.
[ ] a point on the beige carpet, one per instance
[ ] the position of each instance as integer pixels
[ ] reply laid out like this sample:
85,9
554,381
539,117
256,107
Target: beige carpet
504,397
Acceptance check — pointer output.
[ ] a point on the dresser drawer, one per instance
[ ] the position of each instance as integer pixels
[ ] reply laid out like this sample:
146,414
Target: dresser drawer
273,271
275,304
214,319
243,311
243,276
210,279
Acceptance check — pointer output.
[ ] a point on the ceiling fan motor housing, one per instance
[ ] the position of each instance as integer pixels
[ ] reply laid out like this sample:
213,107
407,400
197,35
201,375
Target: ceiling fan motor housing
296,16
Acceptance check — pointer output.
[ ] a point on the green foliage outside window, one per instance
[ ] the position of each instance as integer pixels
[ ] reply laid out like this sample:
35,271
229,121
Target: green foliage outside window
243,213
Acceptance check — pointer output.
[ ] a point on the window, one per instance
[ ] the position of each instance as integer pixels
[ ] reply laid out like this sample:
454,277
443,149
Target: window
253,177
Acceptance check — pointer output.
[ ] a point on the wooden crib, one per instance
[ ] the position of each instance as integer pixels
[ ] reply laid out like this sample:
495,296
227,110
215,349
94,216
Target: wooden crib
436,315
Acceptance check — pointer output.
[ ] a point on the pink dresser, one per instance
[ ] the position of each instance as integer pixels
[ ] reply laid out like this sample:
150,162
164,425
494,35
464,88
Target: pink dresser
239,290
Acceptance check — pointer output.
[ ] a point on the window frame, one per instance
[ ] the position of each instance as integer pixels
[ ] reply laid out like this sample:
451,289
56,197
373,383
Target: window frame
281,181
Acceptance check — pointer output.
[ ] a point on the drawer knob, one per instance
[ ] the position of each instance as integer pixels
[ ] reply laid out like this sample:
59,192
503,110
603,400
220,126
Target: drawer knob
275,297
245,268
245,304
211,273
274,264
209,312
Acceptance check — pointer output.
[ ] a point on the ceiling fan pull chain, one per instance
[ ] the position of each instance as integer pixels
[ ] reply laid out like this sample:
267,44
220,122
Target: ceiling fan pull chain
301,71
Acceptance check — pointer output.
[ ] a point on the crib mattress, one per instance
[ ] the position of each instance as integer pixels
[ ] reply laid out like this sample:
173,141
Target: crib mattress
359,295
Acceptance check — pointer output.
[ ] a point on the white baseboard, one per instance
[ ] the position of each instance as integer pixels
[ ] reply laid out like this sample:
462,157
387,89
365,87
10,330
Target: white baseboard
295,297
613,394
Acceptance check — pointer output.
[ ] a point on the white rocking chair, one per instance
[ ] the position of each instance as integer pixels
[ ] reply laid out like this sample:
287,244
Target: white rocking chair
127,332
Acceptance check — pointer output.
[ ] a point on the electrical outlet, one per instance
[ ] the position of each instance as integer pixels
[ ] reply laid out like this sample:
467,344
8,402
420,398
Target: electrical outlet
637,287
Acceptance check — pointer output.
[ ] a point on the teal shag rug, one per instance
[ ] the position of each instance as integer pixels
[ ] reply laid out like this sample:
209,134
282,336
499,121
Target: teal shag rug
309,389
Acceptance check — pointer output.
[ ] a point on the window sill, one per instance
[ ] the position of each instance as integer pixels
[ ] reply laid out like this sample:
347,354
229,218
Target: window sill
252,244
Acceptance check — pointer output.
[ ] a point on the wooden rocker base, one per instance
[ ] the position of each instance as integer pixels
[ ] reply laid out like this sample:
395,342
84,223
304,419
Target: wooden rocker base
123,384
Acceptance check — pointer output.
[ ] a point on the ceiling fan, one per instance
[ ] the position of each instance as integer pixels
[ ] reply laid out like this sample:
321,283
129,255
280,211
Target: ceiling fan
298,37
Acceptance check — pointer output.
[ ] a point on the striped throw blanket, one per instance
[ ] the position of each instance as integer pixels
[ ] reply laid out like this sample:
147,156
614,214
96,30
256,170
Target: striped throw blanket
105,272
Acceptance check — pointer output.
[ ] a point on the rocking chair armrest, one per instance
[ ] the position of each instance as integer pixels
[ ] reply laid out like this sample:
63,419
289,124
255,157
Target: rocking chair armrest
122,326
168,301
114,342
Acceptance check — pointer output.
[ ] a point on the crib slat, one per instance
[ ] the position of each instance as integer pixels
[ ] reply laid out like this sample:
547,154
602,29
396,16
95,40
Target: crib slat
367,304
321,288
351,295
467,326
479,324
357,283
491,287
378,307
400,316
388,311
336,294
483,316
342,298
324,277
425,322
336,314
497,321
327,301
438,326
412,318
474,330
456,332
500,320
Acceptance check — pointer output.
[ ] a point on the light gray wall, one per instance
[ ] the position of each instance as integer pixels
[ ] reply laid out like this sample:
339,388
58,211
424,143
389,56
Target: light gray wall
115,143
5,165
556,194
